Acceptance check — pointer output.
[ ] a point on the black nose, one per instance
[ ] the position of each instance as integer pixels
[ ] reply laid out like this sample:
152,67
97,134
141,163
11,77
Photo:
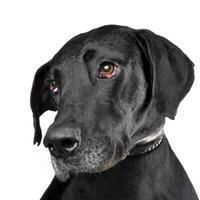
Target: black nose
62,141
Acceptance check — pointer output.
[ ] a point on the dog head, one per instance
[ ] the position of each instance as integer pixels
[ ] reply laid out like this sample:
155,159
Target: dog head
111,88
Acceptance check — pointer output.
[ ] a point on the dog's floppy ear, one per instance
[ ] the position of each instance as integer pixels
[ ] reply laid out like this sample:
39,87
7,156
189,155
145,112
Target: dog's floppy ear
40,100
171,70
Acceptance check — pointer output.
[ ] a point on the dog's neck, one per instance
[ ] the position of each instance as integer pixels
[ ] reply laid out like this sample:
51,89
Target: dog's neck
148,143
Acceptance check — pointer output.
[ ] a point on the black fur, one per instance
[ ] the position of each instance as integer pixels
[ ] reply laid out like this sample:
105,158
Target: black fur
113,115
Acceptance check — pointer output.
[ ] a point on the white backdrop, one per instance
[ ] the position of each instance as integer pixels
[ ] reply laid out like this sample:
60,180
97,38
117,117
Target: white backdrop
31,32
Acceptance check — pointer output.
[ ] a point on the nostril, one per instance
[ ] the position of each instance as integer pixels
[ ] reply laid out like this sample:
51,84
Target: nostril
54,150
70,144
50,146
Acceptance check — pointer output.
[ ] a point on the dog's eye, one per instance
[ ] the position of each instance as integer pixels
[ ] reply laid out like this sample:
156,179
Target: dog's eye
108,70
53,87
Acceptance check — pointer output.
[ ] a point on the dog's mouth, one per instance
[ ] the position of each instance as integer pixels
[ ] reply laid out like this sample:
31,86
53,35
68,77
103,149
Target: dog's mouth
93,160
90,159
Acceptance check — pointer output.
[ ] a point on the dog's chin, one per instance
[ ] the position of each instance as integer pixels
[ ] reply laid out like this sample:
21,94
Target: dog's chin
63,170
65,167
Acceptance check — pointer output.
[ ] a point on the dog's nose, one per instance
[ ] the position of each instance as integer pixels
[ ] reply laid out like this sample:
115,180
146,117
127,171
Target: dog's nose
61,141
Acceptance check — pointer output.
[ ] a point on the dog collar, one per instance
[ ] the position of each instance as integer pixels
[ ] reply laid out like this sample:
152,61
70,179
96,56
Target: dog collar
147,144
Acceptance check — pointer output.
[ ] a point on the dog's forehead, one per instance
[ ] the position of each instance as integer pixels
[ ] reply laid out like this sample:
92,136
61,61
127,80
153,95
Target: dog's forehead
112,38
110,42
111,35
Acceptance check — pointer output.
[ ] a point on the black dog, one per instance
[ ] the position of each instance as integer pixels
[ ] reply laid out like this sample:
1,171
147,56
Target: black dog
112,88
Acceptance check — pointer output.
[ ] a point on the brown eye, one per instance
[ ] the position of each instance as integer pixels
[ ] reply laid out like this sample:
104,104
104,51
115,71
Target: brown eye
53,87
108,70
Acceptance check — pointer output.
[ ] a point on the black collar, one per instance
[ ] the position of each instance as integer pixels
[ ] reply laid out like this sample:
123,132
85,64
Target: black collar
146,146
